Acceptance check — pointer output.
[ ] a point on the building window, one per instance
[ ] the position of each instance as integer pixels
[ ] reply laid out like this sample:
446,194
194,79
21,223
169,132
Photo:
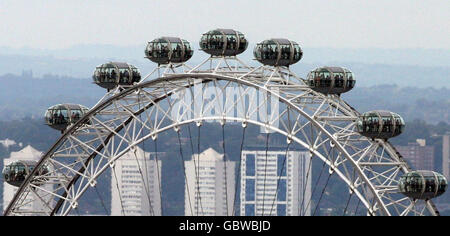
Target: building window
249,209
281,195
250,165
281,210
281,163
250,190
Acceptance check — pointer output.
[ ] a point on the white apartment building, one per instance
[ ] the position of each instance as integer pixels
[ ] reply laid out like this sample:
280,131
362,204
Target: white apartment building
138,180
262,173
210,185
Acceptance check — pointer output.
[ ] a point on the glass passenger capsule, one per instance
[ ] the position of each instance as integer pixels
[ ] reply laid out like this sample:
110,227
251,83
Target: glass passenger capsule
62,115
380,124
223,42
167,50
331,80
422,185
112,74
278,52
16,172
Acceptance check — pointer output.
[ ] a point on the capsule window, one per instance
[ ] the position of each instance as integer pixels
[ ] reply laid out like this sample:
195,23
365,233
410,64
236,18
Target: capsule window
204,41
110,74
338,80
59,116
416,184
156,50
164,49
325,79
149,50
442,184
136,75
398,124
316,79
285,52
269,51
273,51
187,49
263,51
242,42
351,83
76,115
349,75
215,42
176,50
96,75
371,124
231,42
387,124
297,52
257,52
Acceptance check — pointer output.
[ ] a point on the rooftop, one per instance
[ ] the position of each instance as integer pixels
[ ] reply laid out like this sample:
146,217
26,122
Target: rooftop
27,153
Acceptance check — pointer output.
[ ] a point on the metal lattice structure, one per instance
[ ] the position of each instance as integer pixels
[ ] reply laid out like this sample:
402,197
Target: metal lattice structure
127,116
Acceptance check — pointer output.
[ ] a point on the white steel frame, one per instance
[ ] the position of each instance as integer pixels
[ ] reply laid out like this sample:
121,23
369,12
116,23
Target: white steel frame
126,116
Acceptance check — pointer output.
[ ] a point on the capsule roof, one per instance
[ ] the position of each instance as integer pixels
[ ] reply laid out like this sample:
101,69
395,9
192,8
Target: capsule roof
167,50
278,52
68,106
333,69
223,42
112,74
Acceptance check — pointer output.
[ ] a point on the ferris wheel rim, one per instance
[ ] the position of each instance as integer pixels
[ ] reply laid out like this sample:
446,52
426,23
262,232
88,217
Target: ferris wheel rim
212,76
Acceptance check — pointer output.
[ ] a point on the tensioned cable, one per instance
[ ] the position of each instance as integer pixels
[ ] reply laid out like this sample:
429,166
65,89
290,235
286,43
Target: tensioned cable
314,189
326,184
371,207
351,194
192,152
239,171
152,212
305,182
348,202
159,177
184,171
321,195
101,199
145,180
302,208
357,206
118,189
265,172
76,211
225,167
198,169
317,181
279,177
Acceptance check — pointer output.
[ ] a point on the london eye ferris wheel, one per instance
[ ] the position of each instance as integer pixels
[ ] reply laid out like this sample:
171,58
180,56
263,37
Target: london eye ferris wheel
308,113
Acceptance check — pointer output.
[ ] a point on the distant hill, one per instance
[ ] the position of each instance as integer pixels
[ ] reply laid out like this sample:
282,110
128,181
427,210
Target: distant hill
403,67
406,56
413,82
22,96
429,104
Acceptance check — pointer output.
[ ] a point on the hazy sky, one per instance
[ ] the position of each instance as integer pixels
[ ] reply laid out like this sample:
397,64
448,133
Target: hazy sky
52,24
